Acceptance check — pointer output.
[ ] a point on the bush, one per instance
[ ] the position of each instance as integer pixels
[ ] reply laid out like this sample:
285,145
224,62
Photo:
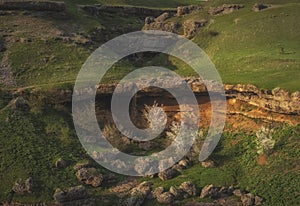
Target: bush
265,142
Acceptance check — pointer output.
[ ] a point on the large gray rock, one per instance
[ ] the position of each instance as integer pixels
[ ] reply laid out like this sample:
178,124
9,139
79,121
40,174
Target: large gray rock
71,194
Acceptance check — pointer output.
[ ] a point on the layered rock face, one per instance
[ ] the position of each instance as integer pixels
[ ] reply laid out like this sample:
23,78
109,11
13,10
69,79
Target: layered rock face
33,5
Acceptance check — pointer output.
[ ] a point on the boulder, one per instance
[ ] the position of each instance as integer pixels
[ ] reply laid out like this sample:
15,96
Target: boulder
168,174
248,199
157,191
22,187
90,176
71,194
208,164
258,200
176,192
189,188
165,198
209,191
60,163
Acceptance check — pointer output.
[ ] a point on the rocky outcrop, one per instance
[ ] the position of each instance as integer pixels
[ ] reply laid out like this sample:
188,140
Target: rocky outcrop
225,9
129,10
190,27
258,7
183,10
276,100
33,5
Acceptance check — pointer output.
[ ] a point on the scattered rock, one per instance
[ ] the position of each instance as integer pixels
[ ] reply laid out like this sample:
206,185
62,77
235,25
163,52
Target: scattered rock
71,194
209,191
248,199
90,176
258,7
184,163
168,174
208,164
190,27
225,9
22,187
189,188
165,198
60,163
183,10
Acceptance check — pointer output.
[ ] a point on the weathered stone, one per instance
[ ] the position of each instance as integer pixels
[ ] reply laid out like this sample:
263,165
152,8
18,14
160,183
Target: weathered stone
22,187
238,192
157,191
189,188
248,199
145,166
209,191
168,174
90,176
60,163
208,164
176,192
71,194
165,198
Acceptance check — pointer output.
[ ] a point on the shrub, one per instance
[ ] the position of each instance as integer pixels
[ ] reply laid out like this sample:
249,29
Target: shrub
264,141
